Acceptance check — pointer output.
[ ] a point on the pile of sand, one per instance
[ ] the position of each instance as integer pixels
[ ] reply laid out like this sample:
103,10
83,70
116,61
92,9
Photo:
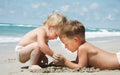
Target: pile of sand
54,69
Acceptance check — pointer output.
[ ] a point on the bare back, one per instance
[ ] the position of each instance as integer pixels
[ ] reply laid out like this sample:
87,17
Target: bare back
30,37
100,58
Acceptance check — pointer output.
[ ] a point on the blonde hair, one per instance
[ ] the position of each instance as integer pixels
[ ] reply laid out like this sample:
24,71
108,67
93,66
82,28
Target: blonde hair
72,29
55,19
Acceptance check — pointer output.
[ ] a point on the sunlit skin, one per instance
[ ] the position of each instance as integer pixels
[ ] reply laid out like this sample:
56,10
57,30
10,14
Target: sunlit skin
67,43
89,55
35,44
53,32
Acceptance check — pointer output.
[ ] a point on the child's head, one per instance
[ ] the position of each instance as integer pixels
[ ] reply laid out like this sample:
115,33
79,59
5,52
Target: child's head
72,35
73,29
56,20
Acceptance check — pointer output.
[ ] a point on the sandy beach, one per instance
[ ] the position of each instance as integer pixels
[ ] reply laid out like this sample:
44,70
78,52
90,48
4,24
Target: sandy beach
9,64
101,19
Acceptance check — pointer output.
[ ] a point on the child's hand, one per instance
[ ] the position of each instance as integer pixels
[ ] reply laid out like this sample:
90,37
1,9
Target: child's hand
58,57
57,63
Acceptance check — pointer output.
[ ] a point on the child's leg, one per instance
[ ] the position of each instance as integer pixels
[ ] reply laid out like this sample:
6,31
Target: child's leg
38,59
35,55
25,52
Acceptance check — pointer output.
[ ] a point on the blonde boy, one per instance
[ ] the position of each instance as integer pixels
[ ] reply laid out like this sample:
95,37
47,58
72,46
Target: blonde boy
33,46
73,37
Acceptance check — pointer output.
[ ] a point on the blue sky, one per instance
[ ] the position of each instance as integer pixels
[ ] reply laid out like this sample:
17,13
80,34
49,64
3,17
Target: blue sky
92,13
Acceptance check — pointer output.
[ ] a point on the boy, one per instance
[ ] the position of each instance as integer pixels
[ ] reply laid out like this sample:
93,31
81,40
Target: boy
34,44
73,37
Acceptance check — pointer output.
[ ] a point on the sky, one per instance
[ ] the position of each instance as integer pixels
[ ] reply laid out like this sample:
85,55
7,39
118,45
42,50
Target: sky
92,13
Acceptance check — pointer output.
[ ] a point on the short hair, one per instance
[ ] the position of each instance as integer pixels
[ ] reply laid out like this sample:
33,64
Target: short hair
72,29
55,19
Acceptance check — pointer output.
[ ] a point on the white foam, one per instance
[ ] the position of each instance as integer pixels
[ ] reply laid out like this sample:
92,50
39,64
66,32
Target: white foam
101,34
6,39
19,25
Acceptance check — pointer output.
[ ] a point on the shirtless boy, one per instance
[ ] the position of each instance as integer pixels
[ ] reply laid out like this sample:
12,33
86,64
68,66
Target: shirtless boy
73,37
33,46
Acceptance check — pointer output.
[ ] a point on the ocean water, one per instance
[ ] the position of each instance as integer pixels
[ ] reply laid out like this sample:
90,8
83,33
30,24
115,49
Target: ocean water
13,32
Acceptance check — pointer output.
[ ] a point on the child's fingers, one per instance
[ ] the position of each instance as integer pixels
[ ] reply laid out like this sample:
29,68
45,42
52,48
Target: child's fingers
56,56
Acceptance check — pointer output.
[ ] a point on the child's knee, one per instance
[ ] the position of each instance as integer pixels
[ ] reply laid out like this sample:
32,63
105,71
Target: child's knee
22,60
23,57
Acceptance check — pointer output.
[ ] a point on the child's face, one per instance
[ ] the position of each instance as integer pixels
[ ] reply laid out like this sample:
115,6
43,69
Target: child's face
70,44
54,32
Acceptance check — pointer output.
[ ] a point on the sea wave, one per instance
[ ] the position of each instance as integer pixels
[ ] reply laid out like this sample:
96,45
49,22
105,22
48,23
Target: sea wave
10,32
102,30
7,39
89,35
34,26
18,25
101,34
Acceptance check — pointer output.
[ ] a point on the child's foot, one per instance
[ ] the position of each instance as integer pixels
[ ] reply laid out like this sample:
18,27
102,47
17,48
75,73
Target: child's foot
34,67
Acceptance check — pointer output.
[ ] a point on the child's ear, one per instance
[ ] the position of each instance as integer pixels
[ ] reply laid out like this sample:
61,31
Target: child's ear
76,39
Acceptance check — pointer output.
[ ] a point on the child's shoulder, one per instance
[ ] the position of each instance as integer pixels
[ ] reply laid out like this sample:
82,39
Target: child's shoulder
85,47
41,31
40,28
82,47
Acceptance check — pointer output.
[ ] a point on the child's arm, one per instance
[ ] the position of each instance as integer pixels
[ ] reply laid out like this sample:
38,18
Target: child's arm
67,63
81,61
42,43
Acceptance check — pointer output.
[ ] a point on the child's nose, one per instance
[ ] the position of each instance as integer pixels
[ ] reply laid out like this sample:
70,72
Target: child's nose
65,46
57,33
